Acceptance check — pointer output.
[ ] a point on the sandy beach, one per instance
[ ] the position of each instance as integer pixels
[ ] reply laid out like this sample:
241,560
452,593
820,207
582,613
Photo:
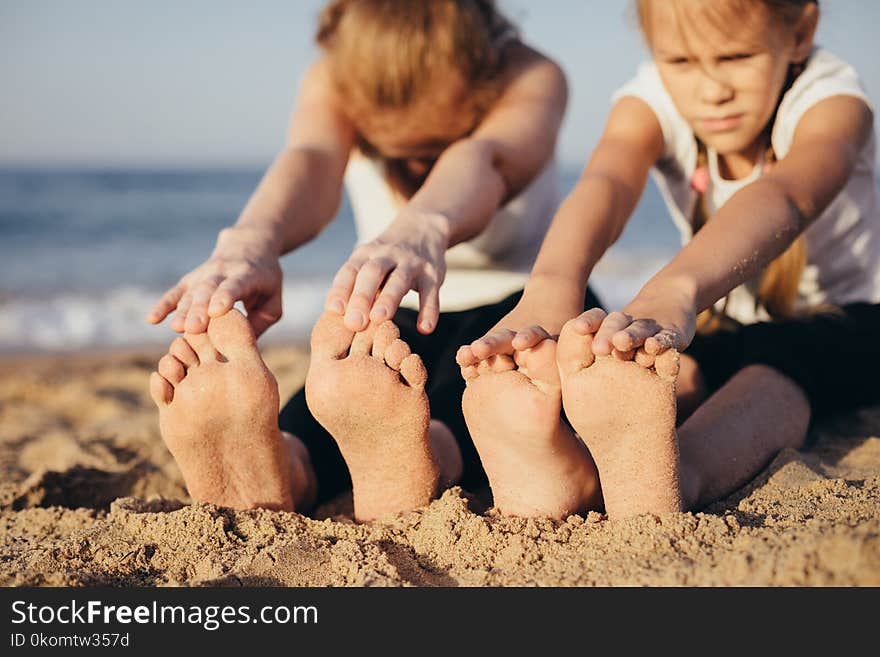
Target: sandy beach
90,496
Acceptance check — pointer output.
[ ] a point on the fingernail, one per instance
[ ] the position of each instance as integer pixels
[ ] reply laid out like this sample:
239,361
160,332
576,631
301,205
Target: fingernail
354,317
380,312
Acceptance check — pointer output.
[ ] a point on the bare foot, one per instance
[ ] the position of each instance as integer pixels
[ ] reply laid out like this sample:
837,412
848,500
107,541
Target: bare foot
218,415
625,412
535,464
367,390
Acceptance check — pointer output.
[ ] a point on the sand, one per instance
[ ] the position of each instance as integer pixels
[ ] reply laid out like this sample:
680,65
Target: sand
90,496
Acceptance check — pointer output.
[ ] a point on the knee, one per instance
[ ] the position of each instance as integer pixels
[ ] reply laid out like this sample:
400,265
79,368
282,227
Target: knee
788,396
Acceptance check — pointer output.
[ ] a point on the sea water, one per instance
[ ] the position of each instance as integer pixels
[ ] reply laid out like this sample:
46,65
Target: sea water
85,253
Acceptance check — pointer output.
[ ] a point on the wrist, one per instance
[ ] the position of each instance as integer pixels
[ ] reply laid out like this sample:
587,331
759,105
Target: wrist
255,238
678,290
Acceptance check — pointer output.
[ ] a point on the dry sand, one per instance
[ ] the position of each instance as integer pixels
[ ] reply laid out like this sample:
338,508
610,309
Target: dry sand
90,496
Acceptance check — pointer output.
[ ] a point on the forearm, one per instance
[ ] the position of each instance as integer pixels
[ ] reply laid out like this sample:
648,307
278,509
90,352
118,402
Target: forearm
587,223
463,191
297,197
751,229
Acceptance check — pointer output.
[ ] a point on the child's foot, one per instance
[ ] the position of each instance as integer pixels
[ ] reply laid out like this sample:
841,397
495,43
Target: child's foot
218,415
625,412
535,464
367,390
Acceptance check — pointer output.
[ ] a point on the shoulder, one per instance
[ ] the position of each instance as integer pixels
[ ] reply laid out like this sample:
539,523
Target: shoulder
526,72
826,85
647,86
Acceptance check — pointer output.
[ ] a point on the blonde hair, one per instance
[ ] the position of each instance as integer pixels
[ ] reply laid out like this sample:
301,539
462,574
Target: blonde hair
778,288
386,53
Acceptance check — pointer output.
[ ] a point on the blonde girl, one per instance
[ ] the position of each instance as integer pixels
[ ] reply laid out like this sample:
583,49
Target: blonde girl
762,145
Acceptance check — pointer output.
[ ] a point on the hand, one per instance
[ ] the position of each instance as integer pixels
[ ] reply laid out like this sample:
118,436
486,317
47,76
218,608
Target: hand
243,267
410,255
656,320
544,307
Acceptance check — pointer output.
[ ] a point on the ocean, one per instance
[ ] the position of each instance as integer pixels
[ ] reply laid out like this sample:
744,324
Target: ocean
85,253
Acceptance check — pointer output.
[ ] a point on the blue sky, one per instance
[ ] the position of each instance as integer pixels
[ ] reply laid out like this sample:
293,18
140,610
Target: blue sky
198,82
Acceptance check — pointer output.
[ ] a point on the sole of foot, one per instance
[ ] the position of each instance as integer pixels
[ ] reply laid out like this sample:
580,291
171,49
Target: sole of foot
218,416
367,390
536,466
624,410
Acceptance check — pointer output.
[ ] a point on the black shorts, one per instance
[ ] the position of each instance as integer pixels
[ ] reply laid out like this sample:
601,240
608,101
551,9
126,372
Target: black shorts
444,388
834,357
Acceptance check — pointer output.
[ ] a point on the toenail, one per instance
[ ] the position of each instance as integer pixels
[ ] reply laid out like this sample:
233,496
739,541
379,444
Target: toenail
354,317
337,306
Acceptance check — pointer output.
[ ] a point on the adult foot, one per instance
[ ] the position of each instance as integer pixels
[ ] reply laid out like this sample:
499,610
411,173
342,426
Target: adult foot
218,415
625,412
367,390
536,466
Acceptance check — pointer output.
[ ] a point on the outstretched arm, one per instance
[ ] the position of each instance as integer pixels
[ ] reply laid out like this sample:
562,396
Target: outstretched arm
298,195
757,224
469,182
587,223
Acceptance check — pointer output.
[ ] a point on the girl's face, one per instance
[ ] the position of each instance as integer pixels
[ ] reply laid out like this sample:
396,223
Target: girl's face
725,80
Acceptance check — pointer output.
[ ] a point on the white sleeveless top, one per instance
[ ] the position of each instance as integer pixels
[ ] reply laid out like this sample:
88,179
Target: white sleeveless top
483,270
843,244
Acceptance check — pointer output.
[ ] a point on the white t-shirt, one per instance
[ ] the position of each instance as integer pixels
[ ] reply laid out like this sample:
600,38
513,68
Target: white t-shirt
484,270
843,244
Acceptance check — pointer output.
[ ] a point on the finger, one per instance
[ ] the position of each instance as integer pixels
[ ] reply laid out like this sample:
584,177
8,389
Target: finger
342,285
266,315
616,321
528,338
226,294
166,303
497,342
589,321
429,305
179,320
395,288
665,339
634,335
366,285
197,316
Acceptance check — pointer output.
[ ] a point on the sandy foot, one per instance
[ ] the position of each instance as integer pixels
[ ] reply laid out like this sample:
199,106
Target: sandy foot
218,415
536,466
367,390
625,412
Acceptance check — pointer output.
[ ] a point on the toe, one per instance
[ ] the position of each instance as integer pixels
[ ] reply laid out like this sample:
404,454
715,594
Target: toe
666,364
161,391
575,350
181,350
171,369
539,363
413,371
396,352
617,354
643,358
330,339
386,334
500,363
232,335
465,356
469,372
362,343
201,344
